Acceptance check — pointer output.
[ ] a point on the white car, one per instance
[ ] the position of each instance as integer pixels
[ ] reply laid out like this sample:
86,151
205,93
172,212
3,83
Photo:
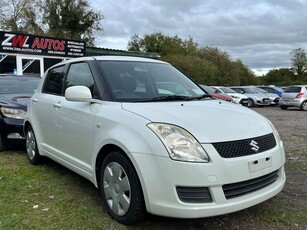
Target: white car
147,148
237,98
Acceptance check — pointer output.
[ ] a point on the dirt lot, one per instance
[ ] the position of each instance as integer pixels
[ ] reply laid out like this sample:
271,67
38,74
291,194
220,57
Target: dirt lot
288,210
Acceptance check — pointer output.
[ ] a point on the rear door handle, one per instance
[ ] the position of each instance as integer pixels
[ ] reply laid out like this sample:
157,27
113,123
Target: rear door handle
35,100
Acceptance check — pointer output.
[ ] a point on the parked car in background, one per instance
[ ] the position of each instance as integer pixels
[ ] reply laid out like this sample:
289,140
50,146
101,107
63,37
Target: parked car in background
272,89
274,98
111,120
237,98
15,92
216,93
254,98
294,96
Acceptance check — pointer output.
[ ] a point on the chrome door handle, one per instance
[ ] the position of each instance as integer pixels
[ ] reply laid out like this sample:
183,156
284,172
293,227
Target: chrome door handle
57,105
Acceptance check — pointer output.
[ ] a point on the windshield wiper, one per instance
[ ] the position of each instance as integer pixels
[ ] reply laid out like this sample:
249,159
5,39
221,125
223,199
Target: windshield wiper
173,98
167,98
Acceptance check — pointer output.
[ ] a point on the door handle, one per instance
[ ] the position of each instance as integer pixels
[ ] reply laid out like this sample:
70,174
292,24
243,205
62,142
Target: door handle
35,100
57,105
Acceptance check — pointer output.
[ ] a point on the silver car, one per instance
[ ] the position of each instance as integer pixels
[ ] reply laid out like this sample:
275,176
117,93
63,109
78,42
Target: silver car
274,98
294,96
254,98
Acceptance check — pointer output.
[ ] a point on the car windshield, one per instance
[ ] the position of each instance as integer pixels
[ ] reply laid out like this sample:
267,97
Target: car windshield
18,85
209,89
227,90
258,90
144,81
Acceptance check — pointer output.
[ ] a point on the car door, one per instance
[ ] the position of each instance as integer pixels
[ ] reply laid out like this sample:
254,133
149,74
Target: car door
75,120
45,105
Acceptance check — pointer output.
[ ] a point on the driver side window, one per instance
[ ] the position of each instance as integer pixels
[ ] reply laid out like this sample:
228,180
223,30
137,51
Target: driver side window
80,74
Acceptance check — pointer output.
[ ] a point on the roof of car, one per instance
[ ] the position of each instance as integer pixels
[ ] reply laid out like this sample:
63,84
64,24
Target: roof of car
110,58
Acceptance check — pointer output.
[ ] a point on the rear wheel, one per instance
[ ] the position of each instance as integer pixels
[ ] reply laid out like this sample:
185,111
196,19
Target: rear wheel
31,146
304,106
283,107
121,189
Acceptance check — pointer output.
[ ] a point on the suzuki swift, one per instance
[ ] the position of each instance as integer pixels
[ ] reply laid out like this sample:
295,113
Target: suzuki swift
169,151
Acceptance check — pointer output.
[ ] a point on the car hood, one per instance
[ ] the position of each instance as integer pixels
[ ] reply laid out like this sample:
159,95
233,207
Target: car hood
238,95
15,100
209,121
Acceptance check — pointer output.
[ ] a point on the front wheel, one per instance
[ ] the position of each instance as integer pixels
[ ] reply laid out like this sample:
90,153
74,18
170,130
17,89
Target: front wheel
121,189
2,147
304,106
250,103
31,146
283,107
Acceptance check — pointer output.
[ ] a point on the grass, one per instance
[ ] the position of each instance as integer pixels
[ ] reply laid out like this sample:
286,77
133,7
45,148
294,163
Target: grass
50,196
47,196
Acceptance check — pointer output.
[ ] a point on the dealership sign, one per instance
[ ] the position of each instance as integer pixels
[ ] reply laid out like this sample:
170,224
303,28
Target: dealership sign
38,45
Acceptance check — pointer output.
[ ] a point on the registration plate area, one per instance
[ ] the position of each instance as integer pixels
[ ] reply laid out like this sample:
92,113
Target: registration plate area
259,164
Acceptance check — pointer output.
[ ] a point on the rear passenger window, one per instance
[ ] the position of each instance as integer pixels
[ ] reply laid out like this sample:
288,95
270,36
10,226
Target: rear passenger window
54,81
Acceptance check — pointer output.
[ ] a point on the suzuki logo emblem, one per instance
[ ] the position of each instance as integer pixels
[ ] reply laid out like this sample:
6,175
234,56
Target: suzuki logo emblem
254,145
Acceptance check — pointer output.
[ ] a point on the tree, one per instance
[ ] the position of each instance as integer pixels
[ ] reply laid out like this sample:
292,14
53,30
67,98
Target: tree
164,45
20,16
205,65
71,19
299,61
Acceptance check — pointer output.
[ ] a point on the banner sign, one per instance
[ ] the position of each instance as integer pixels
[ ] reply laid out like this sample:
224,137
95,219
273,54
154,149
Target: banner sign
37,45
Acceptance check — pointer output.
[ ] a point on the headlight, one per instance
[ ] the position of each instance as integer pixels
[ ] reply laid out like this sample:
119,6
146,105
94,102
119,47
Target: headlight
274,130
180,144
233,96
13,113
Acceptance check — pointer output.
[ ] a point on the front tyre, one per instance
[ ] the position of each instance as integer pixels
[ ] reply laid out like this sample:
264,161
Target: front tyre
121,189
284,107
250,103
31,146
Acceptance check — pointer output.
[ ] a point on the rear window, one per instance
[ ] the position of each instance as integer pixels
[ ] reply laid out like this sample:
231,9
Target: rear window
292,89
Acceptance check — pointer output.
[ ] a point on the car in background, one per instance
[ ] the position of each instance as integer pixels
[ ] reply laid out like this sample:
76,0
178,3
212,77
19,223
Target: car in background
272,89
294,96
15,92
216,93
254,98
274,98
112,120
237,98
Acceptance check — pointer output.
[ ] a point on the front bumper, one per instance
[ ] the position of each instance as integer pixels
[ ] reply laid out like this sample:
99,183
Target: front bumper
160,177
11,130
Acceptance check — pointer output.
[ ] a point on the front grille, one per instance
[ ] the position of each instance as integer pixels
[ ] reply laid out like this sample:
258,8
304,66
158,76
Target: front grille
239,148
265,100
194,194
249,186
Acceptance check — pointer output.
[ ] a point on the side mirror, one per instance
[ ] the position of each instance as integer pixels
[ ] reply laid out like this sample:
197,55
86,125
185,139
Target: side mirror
79,93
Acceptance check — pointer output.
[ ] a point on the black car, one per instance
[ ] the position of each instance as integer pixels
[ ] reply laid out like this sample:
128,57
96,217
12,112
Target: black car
15,92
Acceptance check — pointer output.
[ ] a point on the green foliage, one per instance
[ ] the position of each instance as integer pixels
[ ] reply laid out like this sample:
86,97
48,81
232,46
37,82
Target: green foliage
282,77
299,62
71,19
205,65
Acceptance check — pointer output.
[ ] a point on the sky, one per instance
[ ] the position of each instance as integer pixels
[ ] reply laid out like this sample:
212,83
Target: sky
261,33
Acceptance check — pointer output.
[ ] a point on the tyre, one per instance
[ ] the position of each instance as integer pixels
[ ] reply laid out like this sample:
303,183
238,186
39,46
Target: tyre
31,146
250,103
2,147
121,189
304,106
283,107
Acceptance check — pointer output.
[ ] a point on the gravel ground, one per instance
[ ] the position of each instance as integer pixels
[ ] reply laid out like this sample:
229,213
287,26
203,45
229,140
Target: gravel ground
287,210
